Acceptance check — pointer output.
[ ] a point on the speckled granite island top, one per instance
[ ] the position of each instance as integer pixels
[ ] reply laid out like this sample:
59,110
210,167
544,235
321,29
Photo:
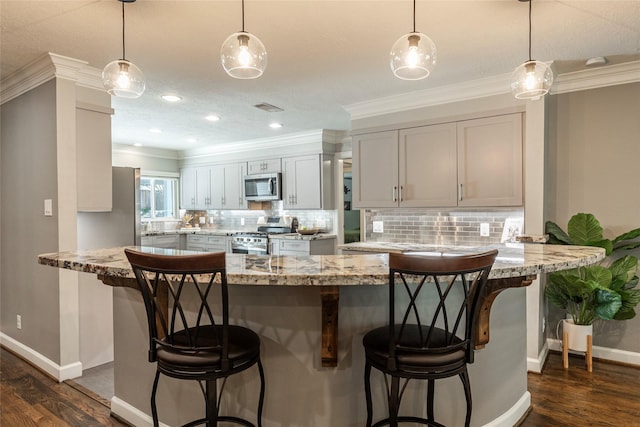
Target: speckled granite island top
518,259
516,266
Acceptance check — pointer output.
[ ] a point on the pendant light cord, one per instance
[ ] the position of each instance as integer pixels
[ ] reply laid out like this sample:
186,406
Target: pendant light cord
123,55
414,16
530,2
243,16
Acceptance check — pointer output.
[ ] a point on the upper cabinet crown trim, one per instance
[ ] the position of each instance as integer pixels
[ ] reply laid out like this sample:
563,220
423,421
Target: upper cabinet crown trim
45,68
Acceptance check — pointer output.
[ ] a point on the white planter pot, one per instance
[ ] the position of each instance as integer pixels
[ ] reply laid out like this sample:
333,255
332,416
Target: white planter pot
577,334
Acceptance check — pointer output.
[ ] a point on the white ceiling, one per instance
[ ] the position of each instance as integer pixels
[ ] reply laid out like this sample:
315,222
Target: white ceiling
323,55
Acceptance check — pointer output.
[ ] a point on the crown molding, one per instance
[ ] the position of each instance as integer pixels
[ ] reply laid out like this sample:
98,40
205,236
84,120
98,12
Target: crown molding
611,75
316,136
45,68
151,152
490,86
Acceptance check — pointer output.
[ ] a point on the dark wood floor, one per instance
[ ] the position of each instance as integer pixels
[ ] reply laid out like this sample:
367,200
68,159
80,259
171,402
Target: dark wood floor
609,396
30,398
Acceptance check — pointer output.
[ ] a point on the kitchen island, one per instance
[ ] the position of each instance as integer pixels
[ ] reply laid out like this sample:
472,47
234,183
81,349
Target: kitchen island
284,300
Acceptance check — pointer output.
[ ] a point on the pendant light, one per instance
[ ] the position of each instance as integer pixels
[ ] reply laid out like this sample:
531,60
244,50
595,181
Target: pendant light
121,77
532,79
413,56
243,55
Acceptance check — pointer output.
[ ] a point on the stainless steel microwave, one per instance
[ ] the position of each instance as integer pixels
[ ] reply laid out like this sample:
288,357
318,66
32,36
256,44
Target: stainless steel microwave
263,187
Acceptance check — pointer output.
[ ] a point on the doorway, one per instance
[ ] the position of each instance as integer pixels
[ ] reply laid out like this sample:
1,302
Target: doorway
351,217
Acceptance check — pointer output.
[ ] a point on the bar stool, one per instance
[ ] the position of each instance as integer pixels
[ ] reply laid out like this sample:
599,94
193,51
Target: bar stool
426,344
190,344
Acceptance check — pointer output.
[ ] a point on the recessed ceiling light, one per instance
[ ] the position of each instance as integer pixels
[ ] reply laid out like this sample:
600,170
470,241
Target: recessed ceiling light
155,130
192,140
276,125
212,118
171,98
137,144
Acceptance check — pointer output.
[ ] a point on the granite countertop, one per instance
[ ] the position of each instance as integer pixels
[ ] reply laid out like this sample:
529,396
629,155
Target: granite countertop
514,260
191,230
296,236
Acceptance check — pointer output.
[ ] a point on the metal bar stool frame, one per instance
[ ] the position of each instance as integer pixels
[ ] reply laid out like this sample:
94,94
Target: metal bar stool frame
442,346
198,349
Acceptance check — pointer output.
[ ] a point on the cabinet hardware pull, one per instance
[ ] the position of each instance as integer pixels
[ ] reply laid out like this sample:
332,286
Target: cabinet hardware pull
393,193
401,193
460,195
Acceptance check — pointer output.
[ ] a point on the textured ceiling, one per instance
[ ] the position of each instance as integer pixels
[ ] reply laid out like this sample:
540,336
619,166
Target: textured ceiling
322,54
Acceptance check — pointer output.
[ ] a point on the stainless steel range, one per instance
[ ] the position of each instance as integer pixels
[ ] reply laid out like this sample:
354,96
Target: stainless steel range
257,242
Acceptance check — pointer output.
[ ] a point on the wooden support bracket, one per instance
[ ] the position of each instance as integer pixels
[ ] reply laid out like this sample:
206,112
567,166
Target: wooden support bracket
492,290
330,296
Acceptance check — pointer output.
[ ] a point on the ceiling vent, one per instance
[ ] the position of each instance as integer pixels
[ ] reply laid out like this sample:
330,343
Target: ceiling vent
268,107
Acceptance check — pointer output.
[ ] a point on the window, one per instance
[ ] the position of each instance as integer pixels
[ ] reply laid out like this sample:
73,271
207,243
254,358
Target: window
158,197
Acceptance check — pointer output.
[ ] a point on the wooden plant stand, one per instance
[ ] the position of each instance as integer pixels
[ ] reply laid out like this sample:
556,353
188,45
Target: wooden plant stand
565,351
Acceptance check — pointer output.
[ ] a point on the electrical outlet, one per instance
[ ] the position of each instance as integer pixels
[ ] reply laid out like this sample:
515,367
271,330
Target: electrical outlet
484,229
378,227
544,324
241,221
19,321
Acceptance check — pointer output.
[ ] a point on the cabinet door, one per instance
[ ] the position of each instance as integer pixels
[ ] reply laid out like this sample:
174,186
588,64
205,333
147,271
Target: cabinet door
188,188
203,188
227,191
93,130
216,176
233,186
302,187
428,166
264,166
375,170
490,161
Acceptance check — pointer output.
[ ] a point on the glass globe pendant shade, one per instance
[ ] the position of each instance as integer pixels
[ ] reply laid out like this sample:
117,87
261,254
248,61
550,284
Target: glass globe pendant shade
243,56
413,56
124,79
531,80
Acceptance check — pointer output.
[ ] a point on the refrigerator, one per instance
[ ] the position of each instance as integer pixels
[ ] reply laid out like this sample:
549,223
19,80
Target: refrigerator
119,227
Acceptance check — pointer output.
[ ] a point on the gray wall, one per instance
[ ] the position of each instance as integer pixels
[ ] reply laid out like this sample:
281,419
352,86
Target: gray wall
594,148
29,176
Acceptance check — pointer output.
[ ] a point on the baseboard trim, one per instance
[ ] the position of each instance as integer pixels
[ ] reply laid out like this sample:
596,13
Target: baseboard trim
514,414
60,373
605,353
131,414
536,364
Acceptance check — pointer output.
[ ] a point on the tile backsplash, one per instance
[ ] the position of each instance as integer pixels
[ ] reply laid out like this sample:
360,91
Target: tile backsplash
438,226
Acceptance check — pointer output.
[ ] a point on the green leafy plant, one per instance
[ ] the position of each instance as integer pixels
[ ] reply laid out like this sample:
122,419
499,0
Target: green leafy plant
585,230
595,292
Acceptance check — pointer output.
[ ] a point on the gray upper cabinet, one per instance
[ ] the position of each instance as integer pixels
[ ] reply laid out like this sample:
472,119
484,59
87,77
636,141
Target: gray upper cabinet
264,166
469,163
93,154
308,182
490,161
213,187
427,166
375,170
227,191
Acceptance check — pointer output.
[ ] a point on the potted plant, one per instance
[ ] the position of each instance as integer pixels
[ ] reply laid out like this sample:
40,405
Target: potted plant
585,230
596,291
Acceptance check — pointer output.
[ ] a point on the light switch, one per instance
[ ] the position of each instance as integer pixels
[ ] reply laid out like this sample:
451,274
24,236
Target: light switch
48,207
378,227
